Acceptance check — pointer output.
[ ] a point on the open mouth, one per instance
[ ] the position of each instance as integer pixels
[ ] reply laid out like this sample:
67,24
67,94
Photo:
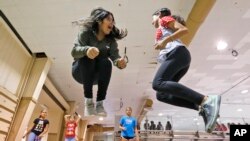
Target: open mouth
110,27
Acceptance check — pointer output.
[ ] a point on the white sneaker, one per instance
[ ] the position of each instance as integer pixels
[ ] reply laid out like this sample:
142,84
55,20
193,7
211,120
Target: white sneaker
89,109
100,109
210,112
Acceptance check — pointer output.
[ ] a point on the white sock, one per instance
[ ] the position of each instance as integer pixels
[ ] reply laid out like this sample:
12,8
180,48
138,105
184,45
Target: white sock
99,102
88,100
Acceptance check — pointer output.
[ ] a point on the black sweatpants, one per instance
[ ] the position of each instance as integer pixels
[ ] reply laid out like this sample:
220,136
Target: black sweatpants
166,80
93,71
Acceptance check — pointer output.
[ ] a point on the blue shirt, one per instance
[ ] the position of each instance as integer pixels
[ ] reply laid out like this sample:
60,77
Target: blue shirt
130,124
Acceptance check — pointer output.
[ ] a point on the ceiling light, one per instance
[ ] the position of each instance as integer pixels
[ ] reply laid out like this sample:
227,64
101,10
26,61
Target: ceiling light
160,114
101,118
195,119
239,110
244,91
221,45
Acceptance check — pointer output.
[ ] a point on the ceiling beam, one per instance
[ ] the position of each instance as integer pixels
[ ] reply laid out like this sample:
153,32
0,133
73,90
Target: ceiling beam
196,17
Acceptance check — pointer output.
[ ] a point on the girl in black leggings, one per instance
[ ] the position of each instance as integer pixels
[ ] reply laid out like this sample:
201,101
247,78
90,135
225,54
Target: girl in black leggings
94,46
175,61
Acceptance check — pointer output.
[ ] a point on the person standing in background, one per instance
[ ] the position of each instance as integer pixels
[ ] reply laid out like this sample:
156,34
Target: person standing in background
71,124
128,125
39,129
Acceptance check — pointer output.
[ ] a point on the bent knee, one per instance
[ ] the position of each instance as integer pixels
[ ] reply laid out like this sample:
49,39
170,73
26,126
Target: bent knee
155,85
164,97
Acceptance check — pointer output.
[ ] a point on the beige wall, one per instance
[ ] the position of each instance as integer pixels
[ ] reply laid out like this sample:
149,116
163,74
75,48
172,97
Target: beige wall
14,60
22,77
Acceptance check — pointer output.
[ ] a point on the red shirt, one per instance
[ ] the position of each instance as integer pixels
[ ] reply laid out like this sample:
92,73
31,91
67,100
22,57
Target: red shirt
164,21
70,129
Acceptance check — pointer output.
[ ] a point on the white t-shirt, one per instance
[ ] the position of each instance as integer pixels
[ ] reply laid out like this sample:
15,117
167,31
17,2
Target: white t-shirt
170,45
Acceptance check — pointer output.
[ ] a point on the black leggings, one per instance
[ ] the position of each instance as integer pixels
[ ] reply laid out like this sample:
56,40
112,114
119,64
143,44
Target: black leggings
93,71
166,80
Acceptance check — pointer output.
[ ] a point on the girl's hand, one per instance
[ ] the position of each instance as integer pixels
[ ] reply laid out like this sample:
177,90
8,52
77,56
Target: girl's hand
92,52
160,45
40,136
24,135
121,63
123,128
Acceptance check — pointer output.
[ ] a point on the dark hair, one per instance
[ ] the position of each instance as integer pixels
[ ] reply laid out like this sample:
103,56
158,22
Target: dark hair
98,15
179,19
163,12
166,12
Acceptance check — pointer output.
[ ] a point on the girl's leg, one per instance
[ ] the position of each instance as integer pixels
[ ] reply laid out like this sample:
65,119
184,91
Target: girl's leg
87,71
123,139
172,99
83,71
38,139
104,67
70,139
31,136
177,60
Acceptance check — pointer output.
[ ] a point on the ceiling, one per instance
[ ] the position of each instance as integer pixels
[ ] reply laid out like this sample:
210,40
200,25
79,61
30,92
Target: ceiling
46,26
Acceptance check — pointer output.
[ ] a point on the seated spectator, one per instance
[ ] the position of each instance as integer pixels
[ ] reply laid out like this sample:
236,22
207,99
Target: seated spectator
159,126
152,126
146,125
168,126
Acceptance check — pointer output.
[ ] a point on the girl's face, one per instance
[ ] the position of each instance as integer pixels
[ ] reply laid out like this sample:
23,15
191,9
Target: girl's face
155,21
128,111
43,114
71,118
107,24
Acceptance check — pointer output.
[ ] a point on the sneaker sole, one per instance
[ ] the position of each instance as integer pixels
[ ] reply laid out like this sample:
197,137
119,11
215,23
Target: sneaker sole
213,123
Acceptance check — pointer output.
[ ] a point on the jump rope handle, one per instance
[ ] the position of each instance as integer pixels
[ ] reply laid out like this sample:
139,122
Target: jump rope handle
125,55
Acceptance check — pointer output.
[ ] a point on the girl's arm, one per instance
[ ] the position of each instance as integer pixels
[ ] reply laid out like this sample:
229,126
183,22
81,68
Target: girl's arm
173,24
121,127
118,61
28,131
66,118
80,44
44,131
78,119
179,31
